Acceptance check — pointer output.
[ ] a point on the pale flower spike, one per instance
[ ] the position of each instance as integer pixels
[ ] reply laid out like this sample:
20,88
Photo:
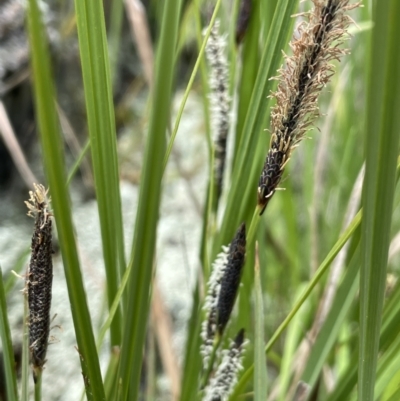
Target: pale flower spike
219,100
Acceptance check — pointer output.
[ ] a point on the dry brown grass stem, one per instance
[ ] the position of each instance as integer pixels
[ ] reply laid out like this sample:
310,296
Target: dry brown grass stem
141,33
162,324
12,144
306,72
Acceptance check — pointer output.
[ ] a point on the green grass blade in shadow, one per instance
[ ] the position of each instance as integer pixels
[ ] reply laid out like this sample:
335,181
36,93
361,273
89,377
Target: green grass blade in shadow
192,363
54,166
382,140
260,363
148,208
8,352
100,114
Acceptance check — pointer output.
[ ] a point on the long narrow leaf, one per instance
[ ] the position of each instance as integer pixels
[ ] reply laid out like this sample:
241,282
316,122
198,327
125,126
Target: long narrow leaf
382,139
54,166
149,200
8,352
260,363
100,113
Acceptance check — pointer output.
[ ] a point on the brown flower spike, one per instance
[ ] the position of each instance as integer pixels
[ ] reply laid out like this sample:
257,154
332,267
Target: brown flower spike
39,278
306,72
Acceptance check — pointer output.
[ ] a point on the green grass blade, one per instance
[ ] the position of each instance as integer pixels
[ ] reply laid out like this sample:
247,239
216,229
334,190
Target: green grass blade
54,167
192,363
78,162
333,323
292,340
250,62
19,265
389,333
8,352
260,363
100,114
382,139
149,200
25,356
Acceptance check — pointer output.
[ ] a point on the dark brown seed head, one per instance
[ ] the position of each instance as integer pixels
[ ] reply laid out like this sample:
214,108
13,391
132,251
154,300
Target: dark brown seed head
306,72
39,279
231,278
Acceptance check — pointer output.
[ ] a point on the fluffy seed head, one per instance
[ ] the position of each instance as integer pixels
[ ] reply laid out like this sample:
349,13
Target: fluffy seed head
306,72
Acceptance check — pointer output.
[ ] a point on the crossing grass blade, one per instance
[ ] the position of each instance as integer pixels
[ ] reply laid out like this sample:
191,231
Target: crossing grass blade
101,122
52,146
8,352
142,258
382,140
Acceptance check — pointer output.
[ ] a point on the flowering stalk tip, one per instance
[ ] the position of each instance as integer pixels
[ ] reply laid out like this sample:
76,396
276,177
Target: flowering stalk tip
306,72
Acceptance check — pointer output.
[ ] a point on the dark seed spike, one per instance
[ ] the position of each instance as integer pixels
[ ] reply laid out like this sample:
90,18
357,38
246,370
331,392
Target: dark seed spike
231,279
39,280
307,71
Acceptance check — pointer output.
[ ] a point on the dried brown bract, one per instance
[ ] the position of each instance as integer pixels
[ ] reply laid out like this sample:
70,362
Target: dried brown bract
306,72
39,278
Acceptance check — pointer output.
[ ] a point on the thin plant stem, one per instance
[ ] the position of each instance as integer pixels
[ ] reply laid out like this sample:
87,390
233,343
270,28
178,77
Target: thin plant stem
189,86
38,387
78,162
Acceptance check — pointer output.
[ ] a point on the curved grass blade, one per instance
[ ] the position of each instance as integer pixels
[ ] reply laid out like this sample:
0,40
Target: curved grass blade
382,140
149,200
8,352
54,167
101,122
25,356
330,330
189,86
20,264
